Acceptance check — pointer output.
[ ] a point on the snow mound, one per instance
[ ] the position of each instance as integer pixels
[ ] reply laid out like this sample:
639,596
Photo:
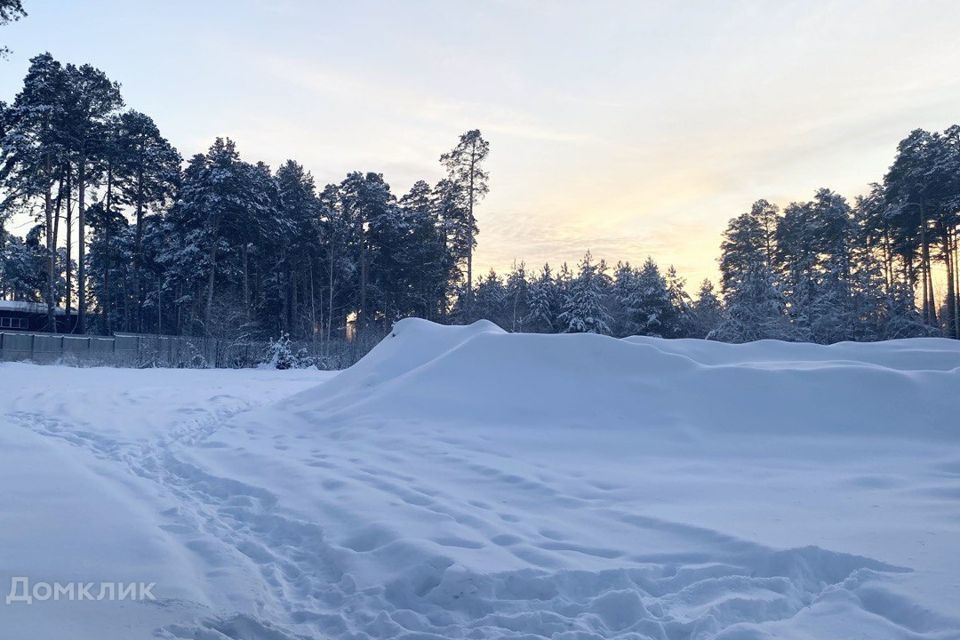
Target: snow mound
481,374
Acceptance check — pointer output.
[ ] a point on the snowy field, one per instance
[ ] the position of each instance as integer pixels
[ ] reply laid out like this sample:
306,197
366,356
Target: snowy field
460,482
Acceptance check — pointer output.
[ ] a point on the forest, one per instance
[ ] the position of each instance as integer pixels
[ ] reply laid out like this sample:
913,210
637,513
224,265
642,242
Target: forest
136,238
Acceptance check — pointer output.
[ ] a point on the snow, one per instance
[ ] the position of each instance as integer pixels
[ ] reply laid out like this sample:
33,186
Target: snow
462,482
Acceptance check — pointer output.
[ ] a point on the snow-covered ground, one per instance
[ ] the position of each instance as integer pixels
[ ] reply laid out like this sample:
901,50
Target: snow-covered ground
461,482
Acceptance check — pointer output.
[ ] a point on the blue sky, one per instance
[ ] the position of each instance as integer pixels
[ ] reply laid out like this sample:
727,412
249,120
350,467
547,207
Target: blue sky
627,128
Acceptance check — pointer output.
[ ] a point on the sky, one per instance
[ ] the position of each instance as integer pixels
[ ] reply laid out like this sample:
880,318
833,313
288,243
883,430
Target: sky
627,128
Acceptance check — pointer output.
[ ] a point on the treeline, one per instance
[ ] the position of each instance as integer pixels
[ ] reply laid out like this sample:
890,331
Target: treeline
137,239
216,245
821,271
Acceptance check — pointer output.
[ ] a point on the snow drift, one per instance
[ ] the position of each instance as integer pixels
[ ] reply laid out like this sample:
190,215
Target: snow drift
481,374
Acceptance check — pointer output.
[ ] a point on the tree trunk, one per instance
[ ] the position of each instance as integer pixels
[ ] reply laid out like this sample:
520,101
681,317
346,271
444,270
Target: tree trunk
81,246
924,268
928,273
294,282
138,251
956,284
948,262
69,226
470,194
211,281
362,318
56,225
107,322
179,330
246,283
330,301
51,247
313,308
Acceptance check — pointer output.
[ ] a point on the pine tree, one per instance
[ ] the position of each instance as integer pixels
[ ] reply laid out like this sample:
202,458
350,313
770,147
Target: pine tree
145,169
489,301
110,263
680,304
34,150
22,266
223,204
649,304
298,232
371,212
10,11
541,313
91,99
584,310
705,313
428,264
464,165
755,310
517,297
339,270
746,245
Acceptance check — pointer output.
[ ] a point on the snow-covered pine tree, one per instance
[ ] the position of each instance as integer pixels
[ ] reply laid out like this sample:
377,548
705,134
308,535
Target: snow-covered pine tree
297,237
621,292
145,169
705,313
517,297
110,264
280,353
746,243
584,310
680,302
755,310
649,306
428,266
489,300
91,98
542,312
23,264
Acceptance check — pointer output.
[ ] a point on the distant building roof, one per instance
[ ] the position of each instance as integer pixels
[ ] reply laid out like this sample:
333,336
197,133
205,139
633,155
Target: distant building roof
31,307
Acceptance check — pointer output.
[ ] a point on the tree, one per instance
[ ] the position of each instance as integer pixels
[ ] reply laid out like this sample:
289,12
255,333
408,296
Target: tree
755,310
146,169
10,11
23,266
490,299
464,165
705,314
222,205
34,150
368,207
299,210
746,245
913,197
584,310
111,258
335,234
542,309
517,296
429,266
649,306
91,98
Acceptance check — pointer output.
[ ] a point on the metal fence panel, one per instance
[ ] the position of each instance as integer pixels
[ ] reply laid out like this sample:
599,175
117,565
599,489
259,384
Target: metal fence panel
133,350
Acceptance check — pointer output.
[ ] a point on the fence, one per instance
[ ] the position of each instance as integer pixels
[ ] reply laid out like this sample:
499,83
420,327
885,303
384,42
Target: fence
137,350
